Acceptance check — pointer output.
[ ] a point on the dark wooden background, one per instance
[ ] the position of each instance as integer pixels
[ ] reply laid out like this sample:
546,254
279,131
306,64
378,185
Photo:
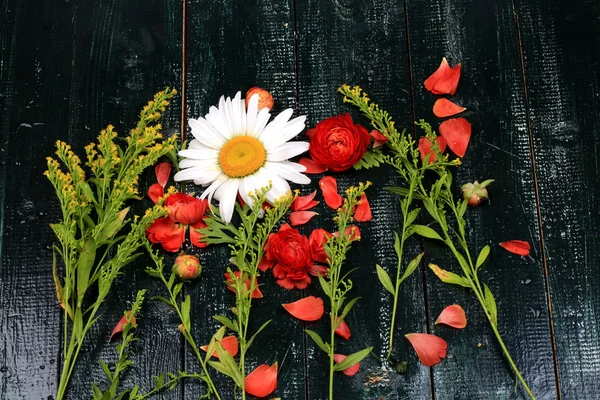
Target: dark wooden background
531,82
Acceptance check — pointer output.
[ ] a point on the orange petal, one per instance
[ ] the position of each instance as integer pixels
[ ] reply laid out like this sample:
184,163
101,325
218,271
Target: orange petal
311,166
338,358
303,203
155,192
445,108
121,324
195,236
363,211
379,138
307,309
453,316
444,80
343,330
301,217
430,348
262,381
328,185
425,148
256,294
162,172
229,343
457,132
519,247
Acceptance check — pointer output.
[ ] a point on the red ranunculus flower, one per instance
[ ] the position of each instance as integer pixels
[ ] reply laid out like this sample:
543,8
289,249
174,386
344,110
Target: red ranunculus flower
168,233
291,253
185,209
337,143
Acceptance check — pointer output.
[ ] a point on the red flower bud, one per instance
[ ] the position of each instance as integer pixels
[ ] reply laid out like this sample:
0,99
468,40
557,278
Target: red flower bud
187,267
475,192
265,99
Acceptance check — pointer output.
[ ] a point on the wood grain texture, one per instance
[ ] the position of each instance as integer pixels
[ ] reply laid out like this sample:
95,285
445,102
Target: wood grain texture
482,36
560,50
363,43
35,112
123,53
233,46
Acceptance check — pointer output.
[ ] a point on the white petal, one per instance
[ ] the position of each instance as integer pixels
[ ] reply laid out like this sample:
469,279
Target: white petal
227,194
206,134
236,115
251,114
244,116
261,121
213,187
246,188
275,126
287,151
189,163
225,114
215,117
288,171
204,153
196,173
279,188
284,133
195,144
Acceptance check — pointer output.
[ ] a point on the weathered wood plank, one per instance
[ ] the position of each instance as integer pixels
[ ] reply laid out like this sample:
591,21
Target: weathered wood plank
363,43
561,60
35,112
233,46
483,37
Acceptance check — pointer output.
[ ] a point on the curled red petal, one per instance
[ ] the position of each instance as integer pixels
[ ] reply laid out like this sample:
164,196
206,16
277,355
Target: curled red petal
162,172
311,166
316,241
379,138
353,369
155,192
265,264
444,80
301,217
437,75
445,108
229,343
343,330
127,316
519,247
307,309
453,316
195,236
256,294
457,132
328,185
262,381
430,348
363,211
425,148
302,203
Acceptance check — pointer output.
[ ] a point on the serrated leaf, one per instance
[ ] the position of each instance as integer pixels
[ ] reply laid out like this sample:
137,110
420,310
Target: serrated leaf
371,158
449,277
227,322
385,280
318,341
352,359
412,266
483,255
426,231
491,304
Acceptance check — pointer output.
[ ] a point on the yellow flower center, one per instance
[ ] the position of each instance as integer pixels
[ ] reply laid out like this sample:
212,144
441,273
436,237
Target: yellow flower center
242,156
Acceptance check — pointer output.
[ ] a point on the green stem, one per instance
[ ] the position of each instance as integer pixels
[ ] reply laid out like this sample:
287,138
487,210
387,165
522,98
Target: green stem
331,353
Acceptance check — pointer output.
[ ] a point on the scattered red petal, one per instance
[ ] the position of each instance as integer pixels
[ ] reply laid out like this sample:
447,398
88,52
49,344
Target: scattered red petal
343,330
379,139
457,132
453,316
195,236
317,240
166,232
262,381
121,324
256,294
307,309
310,133
229,343
328,185
445,108
301,217
430,348
338,358
311,166
162,172
425,148
444,80
519,247
353,231
155,192
303,203
363,211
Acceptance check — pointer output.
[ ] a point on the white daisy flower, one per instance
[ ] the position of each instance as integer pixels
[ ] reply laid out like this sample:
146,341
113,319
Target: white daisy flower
235,150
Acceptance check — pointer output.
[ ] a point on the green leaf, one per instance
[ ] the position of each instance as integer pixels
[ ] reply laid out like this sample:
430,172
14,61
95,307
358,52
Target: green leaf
222,368
412,216
185,311
347,309
352,359
78,324
449,277
226,321
426,231
412,266
212,345
324,285
177,289
402,192
385,280
318,341
106,369
226,358
483,255
85,265
114,225
263,326
372,158
486,182
463,207
491,304
431,208
163,299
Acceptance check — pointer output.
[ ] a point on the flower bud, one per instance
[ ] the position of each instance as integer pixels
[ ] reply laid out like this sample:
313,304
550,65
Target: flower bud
187,267
475,192
264,98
